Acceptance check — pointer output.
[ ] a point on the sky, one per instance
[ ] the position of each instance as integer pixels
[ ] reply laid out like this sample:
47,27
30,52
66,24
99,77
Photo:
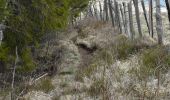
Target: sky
162,2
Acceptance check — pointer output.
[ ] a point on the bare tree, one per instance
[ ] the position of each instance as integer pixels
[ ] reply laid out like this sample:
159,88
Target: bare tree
168,8
13,74
137,17
151,17
118,16
145,14
106,10
132,32
111,12
2,25
101,16
95,11
159,27
125,18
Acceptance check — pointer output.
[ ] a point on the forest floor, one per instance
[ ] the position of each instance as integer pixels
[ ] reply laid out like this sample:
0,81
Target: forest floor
90,71
95,62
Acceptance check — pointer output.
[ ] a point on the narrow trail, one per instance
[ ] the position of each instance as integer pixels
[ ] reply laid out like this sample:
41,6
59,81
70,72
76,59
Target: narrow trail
121,78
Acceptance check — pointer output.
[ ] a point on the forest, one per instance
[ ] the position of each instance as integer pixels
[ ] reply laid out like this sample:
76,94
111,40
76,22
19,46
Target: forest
84,49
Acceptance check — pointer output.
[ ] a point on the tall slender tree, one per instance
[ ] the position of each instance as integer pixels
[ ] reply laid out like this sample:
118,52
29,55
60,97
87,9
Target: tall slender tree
106,10
168,8
111,12
125,17
101,16
145,15
159,26
137,17
118,16
151,17
132,32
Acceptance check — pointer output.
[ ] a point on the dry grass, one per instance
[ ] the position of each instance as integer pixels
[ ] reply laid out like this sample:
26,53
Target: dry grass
44,85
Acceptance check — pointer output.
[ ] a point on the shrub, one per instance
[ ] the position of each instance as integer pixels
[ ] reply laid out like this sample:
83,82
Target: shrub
123,47
45,85
106,55
86,71
97,88
155,59
26,63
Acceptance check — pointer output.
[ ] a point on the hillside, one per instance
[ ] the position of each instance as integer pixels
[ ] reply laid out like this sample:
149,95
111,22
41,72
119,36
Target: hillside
84,50
98,63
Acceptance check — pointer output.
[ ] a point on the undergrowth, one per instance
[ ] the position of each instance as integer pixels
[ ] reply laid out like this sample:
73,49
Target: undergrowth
44,85
154,60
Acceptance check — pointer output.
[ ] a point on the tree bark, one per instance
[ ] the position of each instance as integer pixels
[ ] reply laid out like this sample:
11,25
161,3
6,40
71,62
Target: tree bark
13,74
118,16
145,15
159,27
125,18
168,8
95,11
151,17
106,10
137,17
101,16
132,32
111,13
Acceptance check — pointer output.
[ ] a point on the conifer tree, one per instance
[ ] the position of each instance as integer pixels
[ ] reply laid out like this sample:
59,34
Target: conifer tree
29,20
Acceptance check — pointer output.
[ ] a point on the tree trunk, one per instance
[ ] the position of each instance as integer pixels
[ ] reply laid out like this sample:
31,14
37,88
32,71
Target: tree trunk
90,11
132,32
106,10
151,17
168,8
95,11
145,15
111,13
101,17
13,74
137,17
118,16
1,36
125,18
159,27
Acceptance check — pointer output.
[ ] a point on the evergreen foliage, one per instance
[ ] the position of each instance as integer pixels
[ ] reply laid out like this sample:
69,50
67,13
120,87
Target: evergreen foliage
29,20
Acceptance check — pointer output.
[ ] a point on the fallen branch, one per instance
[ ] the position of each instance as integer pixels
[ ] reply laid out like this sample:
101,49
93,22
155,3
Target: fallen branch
33,81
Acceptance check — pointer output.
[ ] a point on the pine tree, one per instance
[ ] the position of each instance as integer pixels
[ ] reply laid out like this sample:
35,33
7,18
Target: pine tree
29,20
